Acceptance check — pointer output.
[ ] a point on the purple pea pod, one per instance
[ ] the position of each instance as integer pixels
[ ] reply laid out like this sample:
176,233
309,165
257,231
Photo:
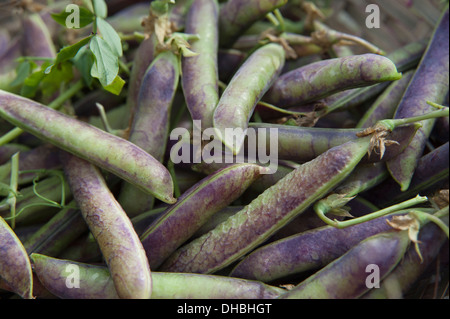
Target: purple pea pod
8,150
200,72
15,267
430,83
37,40
150,127
181,220
320,79
306,251
384,250
111,227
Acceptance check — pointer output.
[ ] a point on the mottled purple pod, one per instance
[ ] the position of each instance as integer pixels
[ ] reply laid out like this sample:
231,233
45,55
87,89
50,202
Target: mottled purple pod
143,58
150,128
384,250
8,150
180,221
306,251
95,283
15,267
105,150
320,79
238,15
430,83
111,227
37,40
199,77
245,89
399,281
384,106
269,212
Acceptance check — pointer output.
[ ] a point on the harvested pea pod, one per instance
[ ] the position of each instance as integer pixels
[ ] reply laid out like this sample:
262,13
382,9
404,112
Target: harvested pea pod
111,227
15,267
245,89
200,72
180,221
105,150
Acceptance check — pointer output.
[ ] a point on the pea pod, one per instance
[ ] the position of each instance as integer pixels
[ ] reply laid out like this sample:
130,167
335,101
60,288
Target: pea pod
238,15
431,239
111,227
320,79
430,83
15,267
180,221
306,251
200,72
150,127
95,283
270,211
105,150
8,150
245,89
385,250
37,40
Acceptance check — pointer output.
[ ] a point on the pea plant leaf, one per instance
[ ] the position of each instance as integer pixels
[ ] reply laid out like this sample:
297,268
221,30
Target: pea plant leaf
74,17
100,8
83,62
69,52
110,36
116,86
106,65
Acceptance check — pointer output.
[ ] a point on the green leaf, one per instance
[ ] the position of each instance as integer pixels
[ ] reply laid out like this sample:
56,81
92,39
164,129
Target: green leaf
69,52
106,65
60,73
110,36
100,8
31,83
74,17
23,70
116,86
84,61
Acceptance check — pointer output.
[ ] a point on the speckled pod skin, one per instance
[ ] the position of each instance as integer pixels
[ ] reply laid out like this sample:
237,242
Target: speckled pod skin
302,144
320,79
430,83
306,251
431,239
145,54
105,150
96,283
150,127
238,15
111,227
269,212
15,267
194,208
385,105
37,40
384,250
245,89
200,73
8,150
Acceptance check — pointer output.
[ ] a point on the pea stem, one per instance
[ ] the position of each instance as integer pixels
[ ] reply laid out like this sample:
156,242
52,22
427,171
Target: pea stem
435,218
55,104
321,209
393,123
14,183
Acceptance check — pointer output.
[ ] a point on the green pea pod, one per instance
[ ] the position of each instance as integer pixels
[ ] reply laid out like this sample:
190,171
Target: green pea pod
245,89
200,72
383,251
324,78
238,15
94,282
194,208
111,227
430,83
150,127
105,150
15,267
269,212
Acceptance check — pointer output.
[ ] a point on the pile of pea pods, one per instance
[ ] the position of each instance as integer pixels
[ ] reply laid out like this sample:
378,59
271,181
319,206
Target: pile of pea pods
107,196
